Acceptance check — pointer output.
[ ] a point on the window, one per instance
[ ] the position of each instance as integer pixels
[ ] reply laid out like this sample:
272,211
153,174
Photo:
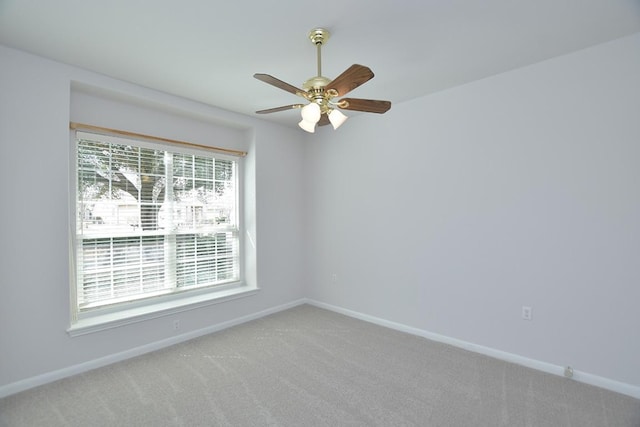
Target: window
152,221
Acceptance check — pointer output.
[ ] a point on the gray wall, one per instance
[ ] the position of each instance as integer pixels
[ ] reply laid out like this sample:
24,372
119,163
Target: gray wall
454,210
35,109
447,214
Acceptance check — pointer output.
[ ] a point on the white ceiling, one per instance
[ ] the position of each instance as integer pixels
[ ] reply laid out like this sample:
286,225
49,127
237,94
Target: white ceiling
208,50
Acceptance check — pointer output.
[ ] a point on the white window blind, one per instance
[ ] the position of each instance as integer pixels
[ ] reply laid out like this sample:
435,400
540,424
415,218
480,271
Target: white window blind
152,220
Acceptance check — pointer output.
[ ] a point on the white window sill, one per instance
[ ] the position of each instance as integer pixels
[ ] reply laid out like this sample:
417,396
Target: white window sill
101,322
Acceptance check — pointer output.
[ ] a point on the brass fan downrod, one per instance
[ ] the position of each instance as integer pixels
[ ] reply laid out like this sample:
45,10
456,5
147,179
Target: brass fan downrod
318,37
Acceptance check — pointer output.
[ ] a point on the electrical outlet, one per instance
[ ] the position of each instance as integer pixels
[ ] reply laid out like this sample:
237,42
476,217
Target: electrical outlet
334,278
527,312
176,324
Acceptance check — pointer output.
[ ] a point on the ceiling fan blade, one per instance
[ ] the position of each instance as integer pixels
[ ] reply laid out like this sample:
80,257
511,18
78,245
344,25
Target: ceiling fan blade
283,108
366,105
278,83
324,120
350,79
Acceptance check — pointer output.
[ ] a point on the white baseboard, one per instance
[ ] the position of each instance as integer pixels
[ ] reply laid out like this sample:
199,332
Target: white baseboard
59,374
583,377
579,376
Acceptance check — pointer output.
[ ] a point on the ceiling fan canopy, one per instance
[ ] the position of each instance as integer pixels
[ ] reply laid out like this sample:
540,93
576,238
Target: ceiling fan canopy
320,92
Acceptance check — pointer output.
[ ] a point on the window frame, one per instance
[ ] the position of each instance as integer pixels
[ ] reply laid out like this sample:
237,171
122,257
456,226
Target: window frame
140,309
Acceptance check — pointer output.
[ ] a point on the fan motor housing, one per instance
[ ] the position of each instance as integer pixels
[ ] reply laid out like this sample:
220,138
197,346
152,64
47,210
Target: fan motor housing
315,83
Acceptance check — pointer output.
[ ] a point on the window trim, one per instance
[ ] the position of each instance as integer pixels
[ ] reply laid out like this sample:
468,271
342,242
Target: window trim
139,136
164,306
107,317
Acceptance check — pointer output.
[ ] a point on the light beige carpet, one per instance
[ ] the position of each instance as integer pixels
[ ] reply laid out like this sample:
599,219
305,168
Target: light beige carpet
311,367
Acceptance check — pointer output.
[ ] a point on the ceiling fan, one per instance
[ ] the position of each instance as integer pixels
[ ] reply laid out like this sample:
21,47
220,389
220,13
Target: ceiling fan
320,91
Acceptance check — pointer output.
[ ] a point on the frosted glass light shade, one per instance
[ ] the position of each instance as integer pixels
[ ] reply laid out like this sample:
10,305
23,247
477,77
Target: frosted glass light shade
337,118
308,126
311,112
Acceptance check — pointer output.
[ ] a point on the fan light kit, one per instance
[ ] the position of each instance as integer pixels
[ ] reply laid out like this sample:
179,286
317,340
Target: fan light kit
320,91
